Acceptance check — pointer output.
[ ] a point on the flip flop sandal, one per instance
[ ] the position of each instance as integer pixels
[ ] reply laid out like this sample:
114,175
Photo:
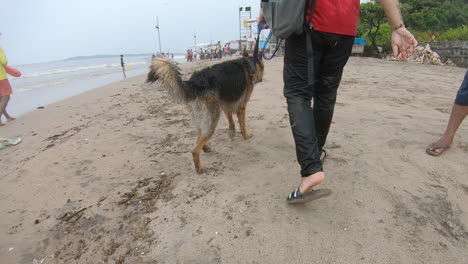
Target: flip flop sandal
298,197
435,146
324,156
7,142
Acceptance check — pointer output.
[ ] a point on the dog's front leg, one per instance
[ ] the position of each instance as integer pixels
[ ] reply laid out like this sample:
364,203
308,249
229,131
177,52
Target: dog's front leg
241,117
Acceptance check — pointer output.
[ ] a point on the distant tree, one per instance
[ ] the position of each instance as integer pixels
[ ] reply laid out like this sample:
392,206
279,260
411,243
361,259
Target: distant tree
371,19
429,20
434,15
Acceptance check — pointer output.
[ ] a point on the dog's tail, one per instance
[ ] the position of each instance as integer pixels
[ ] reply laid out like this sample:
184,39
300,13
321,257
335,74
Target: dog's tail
170,76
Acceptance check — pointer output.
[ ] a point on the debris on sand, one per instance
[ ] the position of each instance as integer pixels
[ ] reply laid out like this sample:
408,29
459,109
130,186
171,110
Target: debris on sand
123,224
425,55
72,216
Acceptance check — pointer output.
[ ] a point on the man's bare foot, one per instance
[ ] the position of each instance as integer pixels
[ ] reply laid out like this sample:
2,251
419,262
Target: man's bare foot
305,191
10,119
310,181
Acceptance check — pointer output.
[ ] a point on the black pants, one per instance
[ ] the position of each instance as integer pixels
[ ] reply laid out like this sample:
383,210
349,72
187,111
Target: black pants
310,125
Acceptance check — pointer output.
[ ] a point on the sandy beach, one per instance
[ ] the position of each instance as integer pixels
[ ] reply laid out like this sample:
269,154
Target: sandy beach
107,177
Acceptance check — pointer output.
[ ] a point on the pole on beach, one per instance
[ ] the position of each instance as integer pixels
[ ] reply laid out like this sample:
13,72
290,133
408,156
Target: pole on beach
195,39
250,16
240,28
159,36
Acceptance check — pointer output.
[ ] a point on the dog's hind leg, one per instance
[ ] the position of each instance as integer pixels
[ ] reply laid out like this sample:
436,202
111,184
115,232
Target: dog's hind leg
241,117
207,122
196,152
232,126
206,148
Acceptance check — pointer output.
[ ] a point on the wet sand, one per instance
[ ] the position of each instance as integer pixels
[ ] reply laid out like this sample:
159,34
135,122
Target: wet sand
107,177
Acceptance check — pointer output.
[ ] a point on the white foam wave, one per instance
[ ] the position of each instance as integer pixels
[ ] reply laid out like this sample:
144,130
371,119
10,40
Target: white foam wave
80,68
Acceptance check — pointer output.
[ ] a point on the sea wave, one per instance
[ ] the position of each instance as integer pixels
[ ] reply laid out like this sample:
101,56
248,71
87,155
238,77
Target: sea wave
78,68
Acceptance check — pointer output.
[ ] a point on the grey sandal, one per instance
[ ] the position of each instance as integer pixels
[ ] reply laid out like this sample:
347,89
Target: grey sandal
431,149
298,197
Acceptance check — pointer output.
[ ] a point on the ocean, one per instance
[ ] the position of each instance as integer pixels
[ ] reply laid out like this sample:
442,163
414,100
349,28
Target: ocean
45,83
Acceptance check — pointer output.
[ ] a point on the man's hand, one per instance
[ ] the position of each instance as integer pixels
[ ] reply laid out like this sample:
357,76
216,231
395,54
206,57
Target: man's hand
261,18
403,42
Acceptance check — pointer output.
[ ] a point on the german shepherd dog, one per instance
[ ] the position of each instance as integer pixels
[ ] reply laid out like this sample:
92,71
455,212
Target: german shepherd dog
226,87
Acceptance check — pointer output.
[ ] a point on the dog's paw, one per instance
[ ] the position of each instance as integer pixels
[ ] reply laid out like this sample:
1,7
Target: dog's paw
247,136
207,149
232,133
202,170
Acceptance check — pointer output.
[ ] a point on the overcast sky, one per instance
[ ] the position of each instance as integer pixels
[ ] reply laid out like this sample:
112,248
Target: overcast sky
46,30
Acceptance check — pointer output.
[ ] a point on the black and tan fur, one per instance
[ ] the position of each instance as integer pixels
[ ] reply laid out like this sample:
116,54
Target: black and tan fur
225,87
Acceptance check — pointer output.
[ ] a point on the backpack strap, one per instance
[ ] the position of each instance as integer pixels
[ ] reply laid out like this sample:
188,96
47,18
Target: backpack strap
310,52
257,43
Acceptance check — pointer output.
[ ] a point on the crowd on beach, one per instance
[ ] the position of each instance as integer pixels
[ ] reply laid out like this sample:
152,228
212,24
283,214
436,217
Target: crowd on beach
208,54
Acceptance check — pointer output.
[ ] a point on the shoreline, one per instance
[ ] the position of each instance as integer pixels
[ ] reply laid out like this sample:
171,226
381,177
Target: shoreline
106,176
23,102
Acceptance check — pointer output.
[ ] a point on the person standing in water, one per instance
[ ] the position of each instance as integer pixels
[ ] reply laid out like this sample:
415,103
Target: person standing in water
122,63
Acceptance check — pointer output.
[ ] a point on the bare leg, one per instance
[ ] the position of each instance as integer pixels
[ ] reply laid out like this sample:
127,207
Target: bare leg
307,183
241,117
459,112
232,126
123,70
4,112
3,103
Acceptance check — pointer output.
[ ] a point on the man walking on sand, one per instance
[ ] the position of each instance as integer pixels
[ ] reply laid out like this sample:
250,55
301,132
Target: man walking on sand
459,112
334,28
122,63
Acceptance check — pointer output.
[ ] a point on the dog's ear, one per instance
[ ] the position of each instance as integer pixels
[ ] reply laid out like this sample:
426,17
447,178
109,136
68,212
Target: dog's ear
245,54
260,55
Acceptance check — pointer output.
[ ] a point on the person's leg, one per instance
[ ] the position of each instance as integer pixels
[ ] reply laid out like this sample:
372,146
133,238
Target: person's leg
4,105
458,114
336,51
298,97
2,108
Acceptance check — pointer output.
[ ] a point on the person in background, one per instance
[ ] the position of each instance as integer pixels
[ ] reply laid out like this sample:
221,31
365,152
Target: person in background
212,54
218,50
5,89
334,26
228,49
458,114
122,63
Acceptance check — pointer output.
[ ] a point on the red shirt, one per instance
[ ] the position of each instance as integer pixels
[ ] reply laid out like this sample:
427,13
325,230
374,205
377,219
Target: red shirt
336,16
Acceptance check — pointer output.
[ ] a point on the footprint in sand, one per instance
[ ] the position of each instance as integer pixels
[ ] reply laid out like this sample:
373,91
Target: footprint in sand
338,160
463,146
465,188
396,144
444,110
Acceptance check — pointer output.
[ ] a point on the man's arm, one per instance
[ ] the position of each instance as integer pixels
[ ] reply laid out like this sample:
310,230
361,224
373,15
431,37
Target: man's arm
403,42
